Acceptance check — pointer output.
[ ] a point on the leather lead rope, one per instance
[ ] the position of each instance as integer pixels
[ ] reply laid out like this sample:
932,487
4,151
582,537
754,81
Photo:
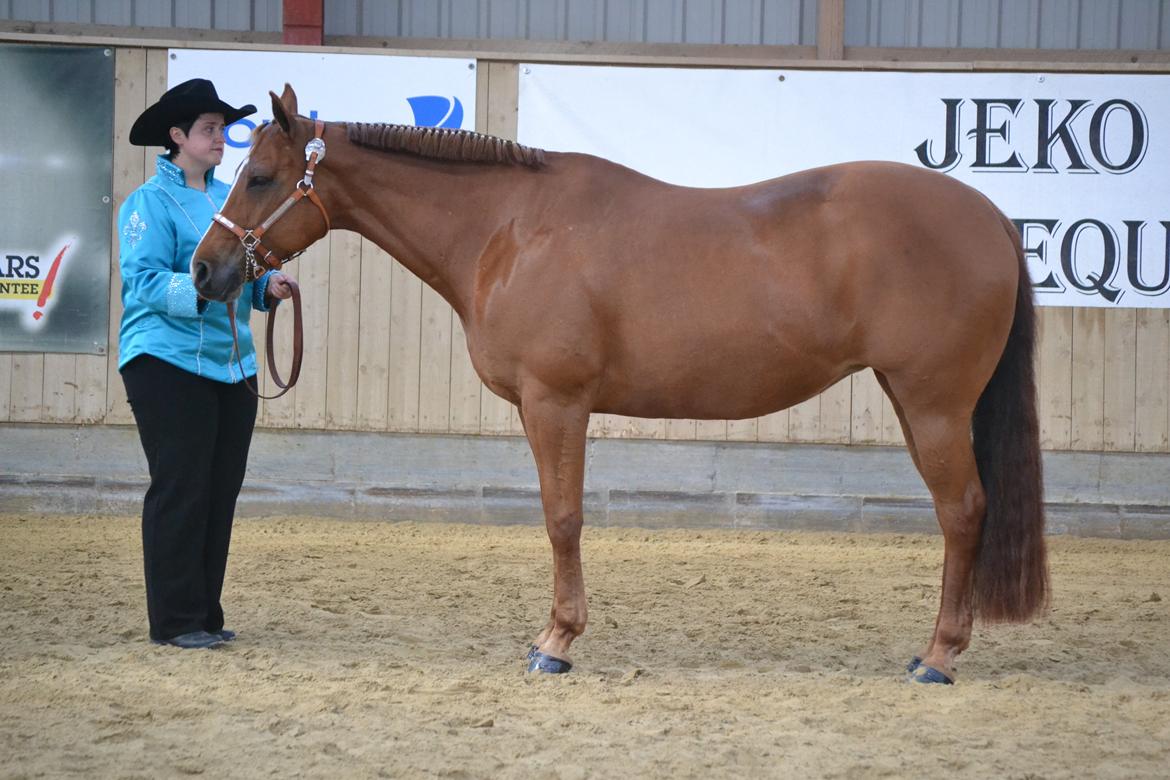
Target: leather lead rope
298,345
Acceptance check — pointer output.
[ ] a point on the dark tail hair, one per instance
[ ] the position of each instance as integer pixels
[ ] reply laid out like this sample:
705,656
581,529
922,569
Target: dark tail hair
1011,567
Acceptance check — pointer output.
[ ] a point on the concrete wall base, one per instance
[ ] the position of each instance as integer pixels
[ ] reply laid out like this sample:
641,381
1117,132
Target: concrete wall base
58,469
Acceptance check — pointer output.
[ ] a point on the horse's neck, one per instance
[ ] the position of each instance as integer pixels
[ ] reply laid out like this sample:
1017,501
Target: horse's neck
434,217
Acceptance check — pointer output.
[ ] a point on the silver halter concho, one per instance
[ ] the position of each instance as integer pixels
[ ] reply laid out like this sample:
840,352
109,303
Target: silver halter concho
250,237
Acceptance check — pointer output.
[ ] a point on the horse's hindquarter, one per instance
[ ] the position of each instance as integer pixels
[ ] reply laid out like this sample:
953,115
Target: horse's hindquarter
933,272
732,303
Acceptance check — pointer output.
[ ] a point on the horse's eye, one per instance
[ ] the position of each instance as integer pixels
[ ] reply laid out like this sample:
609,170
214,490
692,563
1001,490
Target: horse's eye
259,181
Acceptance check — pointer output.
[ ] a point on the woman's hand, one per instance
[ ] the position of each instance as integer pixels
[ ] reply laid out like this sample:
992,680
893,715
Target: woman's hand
278,286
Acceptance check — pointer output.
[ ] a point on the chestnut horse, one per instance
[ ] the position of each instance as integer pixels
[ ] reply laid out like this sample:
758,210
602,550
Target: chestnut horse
584,286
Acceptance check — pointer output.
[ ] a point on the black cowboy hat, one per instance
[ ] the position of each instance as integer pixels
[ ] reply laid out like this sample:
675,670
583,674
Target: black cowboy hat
178,104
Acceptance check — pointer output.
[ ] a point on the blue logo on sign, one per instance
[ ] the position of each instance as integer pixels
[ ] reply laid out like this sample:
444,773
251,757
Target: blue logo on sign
436,111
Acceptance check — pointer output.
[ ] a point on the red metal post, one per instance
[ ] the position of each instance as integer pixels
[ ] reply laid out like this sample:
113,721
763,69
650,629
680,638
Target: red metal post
304,22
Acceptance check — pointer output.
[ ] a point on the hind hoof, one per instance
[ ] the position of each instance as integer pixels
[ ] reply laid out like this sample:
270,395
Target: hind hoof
546,664
532,651
915,662
928,674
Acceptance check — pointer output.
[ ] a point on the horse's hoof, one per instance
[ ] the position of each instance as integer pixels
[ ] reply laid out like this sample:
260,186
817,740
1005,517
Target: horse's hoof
546,664
532,651
928,674
915,662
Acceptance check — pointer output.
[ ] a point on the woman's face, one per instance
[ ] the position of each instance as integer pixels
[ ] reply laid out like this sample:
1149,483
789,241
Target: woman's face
204,144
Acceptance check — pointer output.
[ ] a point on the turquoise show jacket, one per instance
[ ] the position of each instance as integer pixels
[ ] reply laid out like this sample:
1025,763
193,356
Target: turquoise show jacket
159,226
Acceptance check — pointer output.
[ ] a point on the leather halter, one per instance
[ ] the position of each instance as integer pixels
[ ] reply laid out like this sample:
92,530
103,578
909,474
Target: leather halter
250,238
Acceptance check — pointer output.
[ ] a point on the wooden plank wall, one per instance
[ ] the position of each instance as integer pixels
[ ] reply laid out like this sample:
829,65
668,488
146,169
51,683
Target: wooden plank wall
385,353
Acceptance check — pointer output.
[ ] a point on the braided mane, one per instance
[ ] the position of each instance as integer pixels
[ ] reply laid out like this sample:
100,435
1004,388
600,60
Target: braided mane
443,144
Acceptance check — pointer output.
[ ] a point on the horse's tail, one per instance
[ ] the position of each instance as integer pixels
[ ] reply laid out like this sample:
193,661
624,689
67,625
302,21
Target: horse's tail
1011,568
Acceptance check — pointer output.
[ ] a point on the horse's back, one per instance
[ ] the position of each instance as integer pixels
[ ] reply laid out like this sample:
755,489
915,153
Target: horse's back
739,301
844,225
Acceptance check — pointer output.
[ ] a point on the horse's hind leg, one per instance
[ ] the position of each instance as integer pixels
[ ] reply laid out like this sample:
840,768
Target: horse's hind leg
946,460
907,434
556,430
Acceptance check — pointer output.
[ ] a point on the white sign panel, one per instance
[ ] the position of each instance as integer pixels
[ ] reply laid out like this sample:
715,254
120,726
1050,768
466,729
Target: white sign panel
423,91
1079,162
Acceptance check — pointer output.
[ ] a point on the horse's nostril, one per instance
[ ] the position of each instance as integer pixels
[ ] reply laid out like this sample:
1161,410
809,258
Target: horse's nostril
202,273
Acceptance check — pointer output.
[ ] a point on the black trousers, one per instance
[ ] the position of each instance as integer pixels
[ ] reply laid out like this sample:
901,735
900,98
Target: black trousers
195,433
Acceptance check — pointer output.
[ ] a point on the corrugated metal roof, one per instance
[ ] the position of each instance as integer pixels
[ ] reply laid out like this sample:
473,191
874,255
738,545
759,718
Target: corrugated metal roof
1038,24
1024,24
245,15
775,22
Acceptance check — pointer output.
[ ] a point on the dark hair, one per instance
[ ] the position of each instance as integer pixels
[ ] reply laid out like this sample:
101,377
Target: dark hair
185,126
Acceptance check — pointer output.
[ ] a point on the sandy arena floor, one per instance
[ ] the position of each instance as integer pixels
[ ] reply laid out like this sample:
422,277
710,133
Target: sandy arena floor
396,650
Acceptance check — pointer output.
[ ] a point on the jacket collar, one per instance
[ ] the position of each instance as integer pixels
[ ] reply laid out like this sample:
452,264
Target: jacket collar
174,174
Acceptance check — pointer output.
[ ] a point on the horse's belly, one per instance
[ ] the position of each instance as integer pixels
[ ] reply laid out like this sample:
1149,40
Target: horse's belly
735,385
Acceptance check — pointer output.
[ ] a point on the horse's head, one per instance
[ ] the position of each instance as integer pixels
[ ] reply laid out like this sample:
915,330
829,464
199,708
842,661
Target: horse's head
253,230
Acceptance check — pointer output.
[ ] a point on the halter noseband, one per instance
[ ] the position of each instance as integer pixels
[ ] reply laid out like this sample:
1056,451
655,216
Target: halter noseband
250,237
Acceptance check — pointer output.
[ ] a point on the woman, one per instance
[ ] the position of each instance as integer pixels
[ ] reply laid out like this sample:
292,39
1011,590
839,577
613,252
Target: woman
194,413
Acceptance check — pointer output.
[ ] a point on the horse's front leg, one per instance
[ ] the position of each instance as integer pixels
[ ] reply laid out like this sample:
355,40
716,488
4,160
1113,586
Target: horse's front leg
556,428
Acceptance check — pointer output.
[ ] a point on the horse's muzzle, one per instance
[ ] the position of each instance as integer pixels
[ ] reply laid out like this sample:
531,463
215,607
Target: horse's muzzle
216,282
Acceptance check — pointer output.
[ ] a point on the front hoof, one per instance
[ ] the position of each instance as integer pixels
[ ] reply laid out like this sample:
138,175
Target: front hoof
928,674
532,651
546,664
915,662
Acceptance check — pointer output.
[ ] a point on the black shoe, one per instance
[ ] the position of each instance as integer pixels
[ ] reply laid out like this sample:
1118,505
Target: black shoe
195,640
225,634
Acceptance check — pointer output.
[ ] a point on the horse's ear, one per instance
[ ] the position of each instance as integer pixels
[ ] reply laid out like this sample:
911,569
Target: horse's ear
289,98
278,114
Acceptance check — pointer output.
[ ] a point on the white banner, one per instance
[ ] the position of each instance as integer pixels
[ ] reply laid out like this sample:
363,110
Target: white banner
1080,162
423,91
